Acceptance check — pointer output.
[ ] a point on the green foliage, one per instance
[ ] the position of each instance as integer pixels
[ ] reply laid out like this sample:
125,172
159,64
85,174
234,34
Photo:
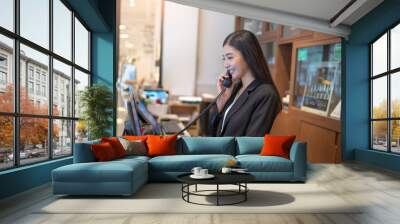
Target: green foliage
96,102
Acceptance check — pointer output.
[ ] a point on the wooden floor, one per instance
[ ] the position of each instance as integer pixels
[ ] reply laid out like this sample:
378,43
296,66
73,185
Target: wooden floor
378,189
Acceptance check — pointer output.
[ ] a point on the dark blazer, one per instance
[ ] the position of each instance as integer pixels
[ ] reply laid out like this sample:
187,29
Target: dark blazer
252,114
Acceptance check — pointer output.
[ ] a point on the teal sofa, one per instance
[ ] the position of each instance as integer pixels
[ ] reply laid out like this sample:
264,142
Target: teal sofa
125,176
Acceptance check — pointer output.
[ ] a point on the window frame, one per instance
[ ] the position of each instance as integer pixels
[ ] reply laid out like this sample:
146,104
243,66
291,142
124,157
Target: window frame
16,114
388,74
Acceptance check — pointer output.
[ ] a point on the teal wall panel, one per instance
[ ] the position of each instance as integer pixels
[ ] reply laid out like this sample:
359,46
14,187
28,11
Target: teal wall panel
24,178
99,16
355,125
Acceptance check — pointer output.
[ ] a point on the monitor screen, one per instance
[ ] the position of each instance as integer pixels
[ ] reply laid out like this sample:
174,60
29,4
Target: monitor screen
156,95
148,117
133,126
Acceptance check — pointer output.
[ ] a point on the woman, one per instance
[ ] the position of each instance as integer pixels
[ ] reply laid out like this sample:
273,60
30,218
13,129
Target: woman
250,105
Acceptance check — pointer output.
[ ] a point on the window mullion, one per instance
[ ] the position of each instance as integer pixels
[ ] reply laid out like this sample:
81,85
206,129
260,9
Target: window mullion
50,81
16,84
370,98
73,82
389,106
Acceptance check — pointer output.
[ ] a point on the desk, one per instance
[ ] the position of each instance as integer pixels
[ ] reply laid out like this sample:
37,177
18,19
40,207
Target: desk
186,112
173,117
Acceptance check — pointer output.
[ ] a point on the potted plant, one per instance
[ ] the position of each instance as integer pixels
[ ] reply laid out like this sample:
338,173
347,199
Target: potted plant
96,102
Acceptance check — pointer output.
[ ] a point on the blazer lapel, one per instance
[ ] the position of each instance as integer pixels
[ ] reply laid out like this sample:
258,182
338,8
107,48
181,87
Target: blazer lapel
239,102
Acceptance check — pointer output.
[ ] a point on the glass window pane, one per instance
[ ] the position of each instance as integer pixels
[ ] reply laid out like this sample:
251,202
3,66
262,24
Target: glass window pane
62,89
269,52
62,29
289,31
62,141
6,142
34,96
33,140
379,135
379,98
35,21
81,45
81,81
253,25
395,136
395,94
379,56
81,131
6,74
7,14
395,47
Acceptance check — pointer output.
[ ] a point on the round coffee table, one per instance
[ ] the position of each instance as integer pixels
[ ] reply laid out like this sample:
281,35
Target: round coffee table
238,179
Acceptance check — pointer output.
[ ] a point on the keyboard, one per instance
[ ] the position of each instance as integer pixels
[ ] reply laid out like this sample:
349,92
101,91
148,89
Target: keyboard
171,127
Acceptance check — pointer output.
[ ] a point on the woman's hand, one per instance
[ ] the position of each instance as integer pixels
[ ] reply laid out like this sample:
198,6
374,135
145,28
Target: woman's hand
225,96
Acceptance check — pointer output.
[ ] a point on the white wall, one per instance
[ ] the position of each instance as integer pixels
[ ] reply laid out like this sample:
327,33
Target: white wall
179,53
192,48
213,28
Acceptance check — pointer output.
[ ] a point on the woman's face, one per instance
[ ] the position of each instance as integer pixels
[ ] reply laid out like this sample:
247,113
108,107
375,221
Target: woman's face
234,62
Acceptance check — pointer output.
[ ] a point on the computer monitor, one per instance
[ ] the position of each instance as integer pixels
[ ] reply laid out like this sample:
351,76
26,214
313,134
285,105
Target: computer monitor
133,126
147,117
159,95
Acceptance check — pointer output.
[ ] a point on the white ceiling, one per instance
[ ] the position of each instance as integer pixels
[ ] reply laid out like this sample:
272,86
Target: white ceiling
313,15
323,9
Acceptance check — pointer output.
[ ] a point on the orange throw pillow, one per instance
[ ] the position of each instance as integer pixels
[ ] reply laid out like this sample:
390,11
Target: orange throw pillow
161,145
116,145
135,138
103,152
277,146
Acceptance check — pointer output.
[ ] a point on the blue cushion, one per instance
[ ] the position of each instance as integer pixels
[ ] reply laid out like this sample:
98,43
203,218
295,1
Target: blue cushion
97,171
133,157
206,145
185,163
257,163
83,153
249,145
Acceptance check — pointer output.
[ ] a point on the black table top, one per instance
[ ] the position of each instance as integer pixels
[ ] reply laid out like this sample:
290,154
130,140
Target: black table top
220,178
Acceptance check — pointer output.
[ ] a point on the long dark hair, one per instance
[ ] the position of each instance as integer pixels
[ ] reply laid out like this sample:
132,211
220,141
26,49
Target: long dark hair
247,44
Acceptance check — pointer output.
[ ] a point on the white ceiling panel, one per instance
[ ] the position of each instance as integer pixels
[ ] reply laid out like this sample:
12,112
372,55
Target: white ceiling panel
316,15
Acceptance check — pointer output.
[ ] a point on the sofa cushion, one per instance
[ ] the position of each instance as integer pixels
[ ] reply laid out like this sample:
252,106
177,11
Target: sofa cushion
130,158
249,145
277,145
136,147
257,163
135,138
161,145
185,163
206,145
83,152
103,152
116,145
112,171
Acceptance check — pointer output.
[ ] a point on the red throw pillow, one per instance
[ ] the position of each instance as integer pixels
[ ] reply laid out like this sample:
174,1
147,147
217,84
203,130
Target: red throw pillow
116,145
103,152
277,145
161,145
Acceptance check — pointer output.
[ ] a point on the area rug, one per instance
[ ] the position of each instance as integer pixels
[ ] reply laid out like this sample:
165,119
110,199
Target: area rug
167,198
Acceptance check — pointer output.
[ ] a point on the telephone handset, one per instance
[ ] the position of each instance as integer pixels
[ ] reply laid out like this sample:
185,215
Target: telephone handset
227,82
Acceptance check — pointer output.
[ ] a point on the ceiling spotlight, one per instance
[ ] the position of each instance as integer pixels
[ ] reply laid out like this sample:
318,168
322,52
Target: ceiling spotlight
132,3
